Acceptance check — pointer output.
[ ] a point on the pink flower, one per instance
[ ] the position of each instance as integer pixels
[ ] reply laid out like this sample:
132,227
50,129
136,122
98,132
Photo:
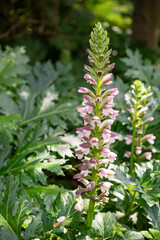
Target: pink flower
79,154
105,186
113,137
105,199
110,174
93,162
112,91
106,134
107,173
108,100
77,175
107,77
88,108
79,205
94,142
80,191
85,148
96,119
128,139
140,132
87,131
90,79
84,131
106,82
61,219
131,110
106,123
84,181
96,197
85,172
83,90
127,154
98,98
149,138
104,161
147,155
150,119
79,131
144,109
107,110
112,156
113,114
82,111
138,150
91,186
83,167
86,90
87,99
87,120
111,66
105,152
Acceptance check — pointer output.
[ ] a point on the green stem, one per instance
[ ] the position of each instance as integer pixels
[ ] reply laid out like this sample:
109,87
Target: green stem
90,213
92,201
131,170
131,204
94,172
129,210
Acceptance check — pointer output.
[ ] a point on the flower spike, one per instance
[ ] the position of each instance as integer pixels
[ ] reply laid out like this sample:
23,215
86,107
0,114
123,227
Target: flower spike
98,116
139,106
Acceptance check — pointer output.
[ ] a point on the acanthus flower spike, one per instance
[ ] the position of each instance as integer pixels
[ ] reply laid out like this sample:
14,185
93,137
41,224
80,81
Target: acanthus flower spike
139,106
98,115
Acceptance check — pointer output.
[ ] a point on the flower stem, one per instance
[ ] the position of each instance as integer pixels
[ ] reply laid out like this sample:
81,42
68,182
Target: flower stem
94,172
131,170
90,213
130,209
92,201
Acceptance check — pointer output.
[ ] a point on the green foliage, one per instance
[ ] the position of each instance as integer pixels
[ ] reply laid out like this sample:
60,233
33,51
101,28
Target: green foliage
34,151
13,209
155,233
123,88
106,226
8,123
103,224
13,67
46,74
33,125
153,214
143,70
112,12
141,182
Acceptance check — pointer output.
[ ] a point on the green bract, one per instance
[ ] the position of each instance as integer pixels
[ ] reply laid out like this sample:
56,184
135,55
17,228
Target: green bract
99,40
138,99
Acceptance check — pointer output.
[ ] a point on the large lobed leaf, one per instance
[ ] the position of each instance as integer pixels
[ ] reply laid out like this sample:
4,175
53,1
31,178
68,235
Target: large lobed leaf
106,226
13,209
